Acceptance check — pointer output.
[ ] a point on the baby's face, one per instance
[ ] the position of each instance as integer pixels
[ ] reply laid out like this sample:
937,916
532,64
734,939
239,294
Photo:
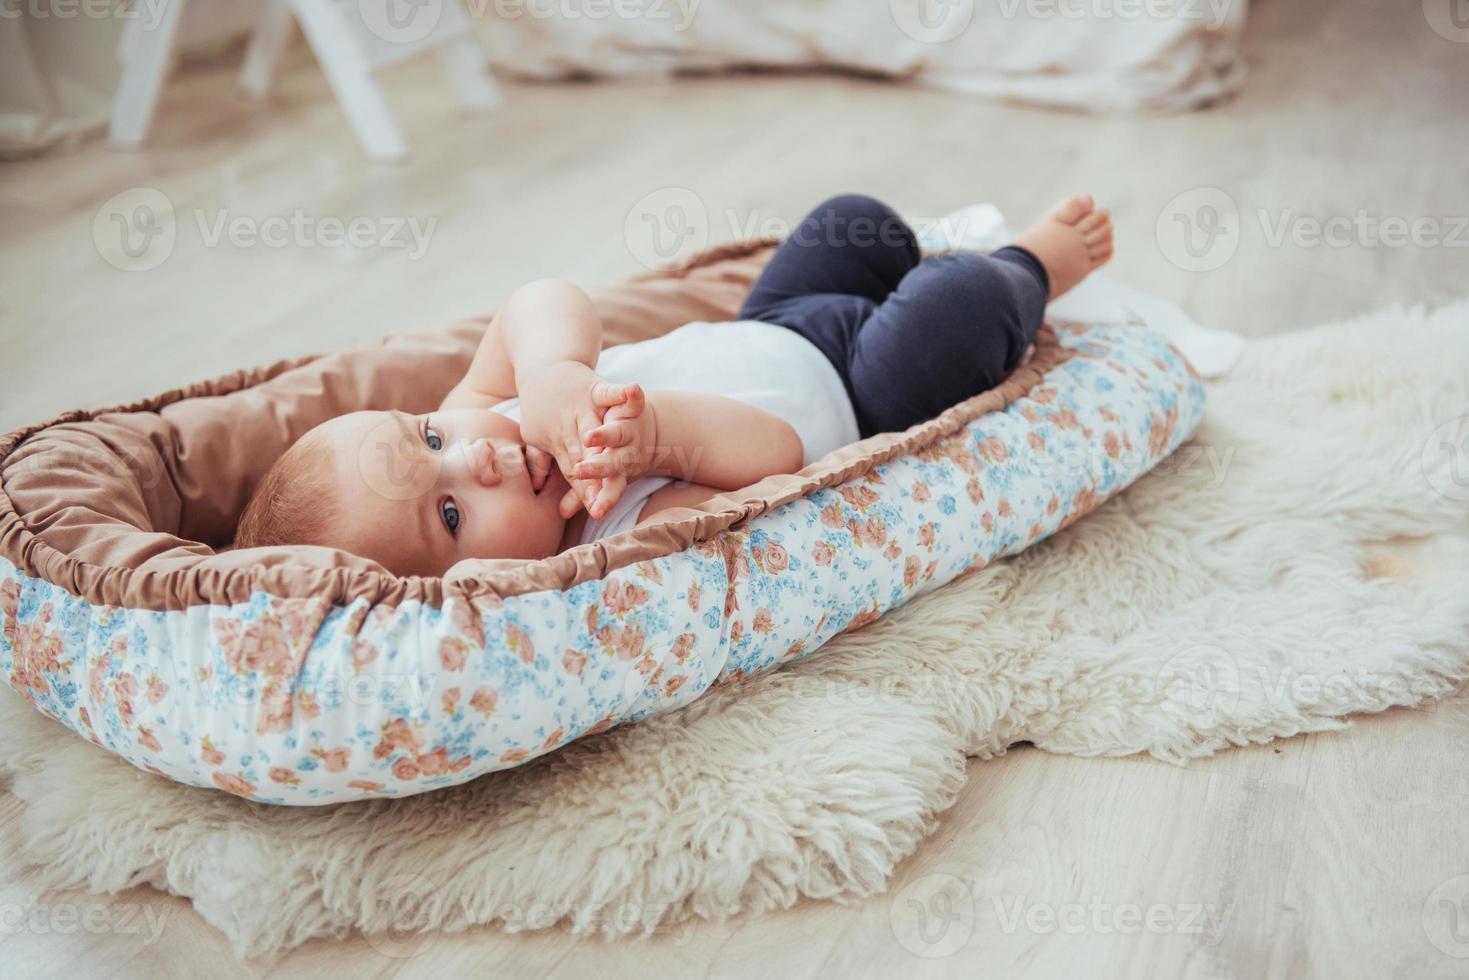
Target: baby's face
418,493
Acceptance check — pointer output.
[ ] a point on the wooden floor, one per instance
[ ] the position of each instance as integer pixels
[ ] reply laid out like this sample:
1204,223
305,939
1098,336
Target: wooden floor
1334,855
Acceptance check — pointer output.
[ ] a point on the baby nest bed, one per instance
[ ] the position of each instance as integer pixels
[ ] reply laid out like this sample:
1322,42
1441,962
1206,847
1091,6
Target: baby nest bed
311,676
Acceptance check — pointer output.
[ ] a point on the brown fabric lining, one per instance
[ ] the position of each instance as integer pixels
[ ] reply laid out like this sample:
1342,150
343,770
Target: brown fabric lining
120,506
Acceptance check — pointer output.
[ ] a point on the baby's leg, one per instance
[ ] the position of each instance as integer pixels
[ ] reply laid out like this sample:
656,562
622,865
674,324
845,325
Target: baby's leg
951,330
838,264
852,245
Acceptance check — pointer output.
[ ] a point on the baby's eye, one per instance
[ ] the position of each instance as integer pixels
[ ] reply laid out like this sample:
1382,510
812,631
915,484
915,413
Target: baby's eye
450,513
432,438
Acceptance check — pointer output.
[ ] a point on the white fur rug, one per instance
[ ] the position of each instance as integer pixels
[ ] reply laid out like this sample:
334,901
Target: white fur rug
1224,599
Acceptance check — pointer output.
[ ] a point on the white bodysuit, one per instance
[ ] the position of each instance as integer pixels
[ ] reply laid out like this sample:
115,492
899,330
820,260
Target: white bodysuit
761,364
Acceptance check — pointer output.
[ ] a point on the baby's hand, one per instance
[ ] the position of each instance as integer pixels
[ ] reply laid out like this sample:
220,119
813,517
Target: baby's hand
622,449
559,405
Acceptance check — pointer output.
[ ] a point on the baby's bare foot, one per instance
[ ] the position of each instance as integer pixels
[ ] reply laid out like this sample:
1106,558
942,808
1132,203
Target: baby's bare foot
1071,241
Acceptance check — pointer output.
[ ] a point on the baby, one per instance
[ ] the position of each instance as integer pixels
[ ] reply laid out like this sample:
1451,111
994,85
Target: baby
549,441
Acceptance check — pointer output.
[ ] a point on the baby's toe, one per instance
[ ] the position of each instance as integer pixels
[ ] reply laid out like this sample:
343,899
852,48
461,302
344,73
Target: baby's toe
1073,209
1098,221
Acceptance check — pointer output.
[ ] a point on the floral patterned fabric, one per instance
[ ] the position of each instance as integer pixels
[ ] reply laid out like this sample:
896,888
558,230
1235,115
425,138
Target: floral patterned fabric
299,701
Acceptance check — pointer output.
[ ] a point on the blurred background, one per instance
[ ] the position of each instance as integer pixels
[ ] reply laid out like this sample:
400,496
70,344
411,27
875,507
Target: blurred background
1270,165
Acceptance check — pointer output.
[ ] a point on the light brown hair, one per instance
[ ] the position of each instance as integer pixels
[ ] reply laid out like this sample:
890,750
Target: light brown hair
294,503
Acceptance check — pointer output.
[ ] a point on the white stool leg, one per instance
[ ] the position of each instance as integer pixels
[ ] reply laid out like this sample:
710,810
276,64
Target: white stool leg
145,54
350,76
465,63
267,43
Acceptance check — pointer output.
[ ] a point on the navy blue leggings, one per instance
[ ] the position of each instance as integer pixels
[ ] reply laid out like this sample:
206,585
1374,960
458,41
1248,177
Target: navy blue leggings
909,335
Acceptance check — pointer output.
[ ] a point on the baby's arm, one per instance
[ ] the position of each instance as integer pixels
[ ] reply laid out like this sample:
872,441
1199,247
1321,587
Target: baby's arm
547,325
695,438
543,346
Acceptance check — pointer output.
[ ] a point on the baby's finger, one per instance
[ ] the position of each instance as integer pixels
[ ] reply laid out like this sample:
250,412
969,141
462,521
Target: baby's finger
595,467
608,496
568,457
540,465
587,490
605,394
632,404
618,412
611,435
569,504
607,462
